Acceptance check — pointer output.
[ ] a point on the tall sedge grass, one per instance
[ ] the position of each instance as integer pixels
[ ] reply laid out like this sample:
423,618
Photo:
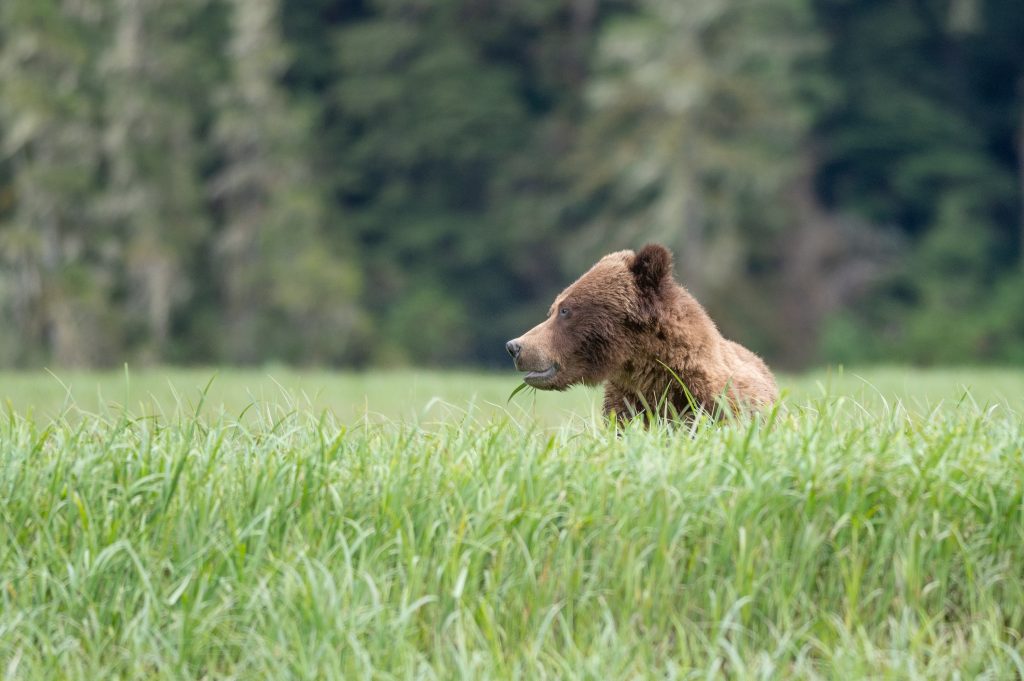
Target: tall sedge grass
829,540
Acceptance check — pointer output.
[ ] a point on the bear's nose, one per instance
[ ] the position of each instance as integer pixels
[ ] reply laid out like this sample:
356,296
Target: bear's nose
513,348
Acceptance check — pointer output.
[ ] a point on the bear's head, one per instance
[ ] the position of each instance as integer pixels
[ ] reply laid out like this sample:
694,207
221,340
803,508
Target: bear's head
593,326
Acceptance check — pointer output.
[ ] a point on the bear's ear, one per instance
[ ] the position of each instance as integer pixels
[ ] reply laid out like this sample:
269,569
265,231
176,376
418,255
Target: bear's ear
651,266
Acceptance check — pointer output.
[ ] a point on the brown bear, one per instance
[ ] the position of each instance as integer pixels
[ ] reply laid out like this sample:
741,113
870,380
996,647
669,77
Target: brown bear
627,322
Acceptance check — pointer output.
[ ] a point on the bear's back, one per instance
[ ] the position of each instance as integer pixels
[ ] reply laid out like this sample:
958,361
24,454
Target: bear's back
749,377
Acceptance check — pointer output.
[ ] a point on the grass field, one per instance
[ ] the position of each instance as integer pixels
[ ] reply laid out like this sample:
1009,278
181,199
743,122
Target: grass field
413,525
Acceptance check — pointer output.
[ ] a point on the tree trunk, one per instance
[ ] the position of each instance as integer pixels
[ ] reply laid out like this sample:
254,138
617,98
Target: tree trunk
828,260
805,302
1020,172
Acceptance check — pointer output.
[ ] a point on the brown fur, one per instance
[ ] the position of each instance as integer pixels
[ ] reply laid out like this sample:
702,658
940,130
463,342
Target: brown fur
622,323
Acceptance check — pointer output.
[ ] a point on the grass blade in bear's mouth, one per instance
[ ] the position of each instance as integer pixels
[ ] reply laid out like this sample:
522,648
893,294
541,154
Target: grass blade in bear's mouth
519,388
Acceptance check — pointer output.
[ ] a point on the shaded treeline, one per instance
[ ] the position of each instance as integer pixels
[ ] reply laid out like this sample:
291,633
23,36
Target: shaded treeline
355,182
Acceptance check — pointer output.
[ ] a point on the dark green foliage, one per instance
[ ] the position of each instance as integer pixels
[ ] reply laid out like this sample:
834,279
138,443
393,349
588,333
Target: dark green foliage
355,182
922,139
425,124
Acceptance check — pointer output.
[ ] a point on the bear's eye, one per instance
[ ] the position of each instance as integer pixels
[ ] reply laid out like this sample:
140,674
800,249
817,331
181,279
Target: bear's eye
564,312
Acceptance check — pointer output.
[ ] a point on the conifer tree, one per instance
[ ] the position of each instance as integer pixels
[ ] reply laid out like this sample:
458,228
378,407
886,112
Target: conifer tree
152,200
54,287
286,294
693,120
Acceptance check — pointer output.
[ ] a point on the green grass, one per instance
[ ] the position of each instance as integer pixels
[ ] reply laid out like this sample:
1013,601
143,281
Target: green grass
413,525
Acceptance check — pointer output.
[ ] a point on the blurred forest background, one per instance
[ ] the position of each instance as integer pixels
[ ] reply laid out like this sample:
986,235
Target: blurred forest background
375,182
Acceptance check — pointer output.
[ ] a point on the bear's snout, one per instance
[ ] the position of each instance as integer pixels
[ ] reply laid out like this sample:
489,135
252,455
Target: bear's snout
527,354
533,358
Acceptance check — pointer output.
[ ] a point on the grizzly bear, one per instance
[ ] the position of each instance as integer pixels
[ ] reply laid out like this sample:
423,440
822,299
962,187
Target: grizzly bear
628,323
